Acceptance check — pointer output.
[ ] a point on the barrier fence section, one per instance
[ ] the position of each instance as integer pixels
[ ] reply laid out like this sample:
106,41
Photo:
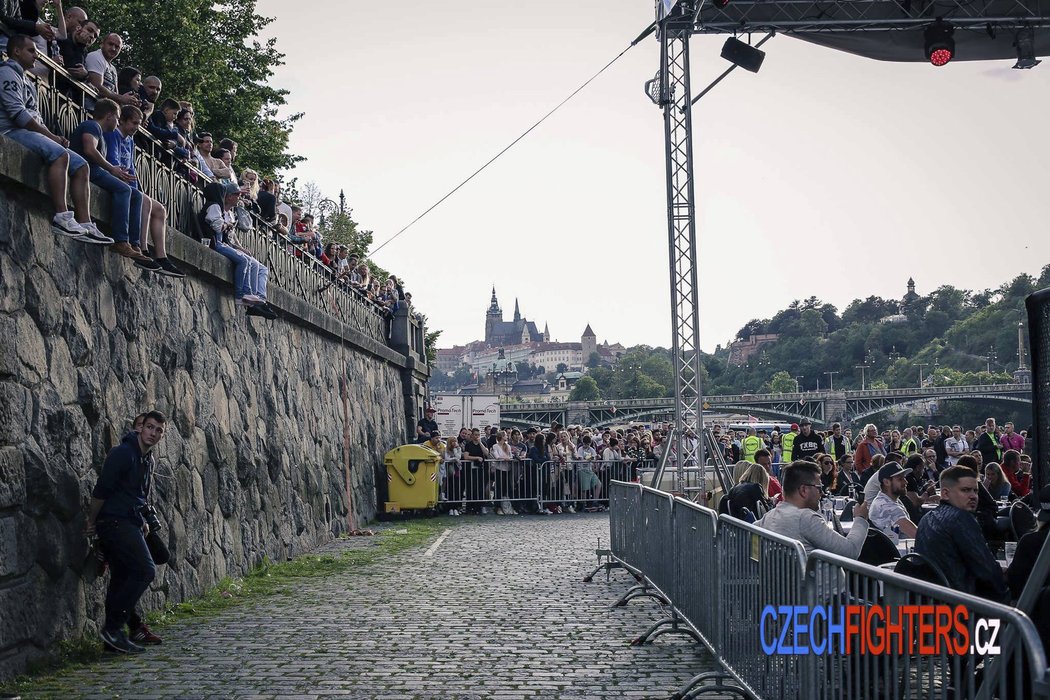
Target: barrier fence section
733,581
916,663
758,568
528,483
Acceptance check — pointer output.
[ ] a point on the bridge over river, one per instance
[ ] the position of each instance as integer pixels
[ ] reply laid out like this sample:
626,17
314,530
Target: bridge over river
821,407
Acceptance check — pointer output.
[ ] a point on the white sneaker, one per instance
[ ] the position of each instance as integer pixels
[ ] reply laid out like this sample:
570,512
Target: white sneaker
63,224
253,300
570,509
93,235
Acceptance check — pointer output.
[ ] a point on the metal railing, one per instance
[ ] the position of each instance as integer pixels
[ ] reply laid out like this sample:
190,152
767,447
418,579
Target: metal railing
729,574
543,484
177,185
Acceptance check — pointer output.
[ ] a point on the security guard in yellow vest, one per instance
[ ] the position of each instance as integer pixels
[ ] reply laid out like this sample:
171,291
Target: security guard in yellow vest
787,443
751,444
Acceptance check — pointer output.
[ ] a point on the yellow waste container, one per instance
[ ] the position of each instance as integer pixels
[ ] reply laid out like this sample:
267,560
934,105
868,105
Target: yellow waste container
412,478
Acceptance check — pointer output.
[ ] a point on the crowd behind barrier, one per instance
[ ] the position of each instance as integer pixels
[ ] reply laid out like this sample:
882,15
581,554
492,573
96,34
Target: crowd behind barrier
168,166
734,584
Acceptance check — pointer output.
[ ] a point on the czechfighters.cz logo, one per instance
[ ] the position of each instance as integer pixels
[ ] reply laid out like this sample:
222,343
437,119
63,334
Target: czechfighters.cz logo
876,629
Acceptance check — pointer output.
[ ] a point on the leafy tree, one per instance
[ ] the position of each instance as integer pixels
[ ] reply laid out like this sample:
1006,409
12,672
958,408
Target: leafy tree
585,389
782,383
594,360
561,368
209,54
430,339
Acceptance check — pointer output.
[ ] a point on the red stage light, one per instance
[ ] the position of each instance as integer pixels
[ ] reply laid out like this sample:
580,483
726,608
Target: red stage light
940,57
939,42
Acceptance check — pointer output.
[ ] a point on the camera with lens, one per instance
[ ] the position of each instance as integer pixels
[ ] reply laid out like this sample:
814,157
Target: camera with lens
149,514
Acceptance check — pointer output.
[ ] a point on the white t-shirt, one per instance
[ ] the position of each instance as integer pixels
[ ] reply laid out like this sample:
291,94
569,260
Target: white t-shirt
884,514
96,63
956,445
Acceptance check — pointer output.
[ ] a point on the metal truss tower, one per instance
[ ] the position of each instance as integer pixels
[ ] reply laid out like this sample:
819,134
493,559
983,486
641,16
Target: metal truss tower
671,91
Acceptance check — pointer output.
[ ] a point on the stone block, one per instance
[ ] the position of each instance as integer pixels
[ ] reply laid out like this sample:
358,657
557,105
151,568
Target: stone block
43,301
12,285
12,478
16,412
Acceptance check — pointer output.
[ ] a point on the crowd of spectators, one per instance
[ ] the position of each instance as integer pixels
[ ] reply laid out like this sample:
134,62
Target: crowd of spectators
101,151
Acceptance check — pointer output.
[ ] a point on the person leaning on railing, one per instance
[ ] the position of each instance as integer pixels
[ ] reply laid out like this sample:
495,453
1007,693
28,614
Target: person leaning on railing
20,121
797,517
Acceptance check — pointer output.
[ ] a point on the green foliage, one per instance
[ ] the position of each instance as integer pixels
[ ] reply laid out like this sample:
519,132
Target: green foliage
209,54
585,389
782,383
430,339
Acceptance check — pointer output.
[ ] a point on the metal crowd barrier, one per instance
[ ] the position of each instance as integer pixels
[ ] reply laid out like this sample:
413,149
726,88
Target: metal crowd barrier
525,482
933,672
721,576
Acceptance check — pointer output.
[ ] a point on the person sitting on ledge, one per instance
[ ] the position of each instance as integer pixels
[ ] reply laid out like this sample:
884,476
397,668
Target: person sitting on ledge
20,121
147,215
218,224
89,142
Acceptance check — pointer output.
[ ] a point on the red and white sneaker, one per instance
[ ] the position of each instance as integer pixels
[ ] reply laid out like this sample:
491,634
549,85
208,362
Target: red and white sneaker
144,635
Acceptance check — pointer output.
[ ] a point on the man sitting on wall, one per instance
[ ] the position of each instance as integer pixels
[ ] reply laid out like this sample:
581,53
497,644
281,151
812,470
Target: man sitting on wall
20,121
89,142
147,215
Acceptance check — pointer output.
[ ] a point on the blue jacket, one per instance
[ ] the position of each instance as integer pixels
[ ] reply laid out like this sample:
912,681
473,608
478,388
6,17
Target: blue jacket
125,481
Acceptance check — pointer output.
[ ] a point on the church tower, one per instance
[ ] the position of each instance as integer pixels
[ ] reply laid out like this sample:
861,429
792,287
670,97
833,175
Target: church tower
517,314
588,343
493,317
546,334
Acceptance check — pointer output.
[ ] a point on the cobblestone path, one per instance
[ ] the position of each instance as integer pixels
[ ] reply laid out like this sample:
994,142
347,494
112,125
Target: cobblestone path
498,610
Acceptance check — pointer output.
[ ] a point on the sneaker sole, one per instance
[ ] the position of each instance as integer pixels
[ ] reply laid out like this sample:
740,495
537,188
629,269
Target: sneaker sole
169,273
58,230
96,241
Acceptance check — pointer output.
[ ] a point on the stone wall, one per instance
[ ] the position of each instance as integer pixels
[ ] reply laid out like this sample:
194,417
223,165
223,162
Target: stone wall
252,462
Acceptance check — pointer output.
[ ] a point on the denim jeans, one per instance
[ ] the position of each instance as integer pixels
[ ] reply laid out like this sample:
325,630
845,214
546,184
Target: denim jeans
258,276
130,565
120,202
240,269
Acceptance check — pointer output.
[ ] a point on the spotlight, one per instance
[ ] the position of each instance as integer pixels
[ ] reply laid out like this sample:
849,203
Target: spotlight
940,46
1025,44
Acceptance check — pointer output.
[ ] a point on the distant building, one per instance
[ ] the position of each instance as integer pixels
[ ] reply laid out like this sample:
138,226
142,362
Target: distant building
907,303
513,332
740,351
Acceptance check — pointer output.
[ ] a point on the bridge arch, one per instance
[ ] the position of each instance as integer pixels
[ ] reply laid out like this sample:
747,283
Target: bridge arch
873,411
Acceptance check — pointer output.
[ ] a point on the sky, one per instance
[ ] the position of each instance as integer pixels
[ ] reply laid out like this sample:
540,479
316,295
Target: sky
823,175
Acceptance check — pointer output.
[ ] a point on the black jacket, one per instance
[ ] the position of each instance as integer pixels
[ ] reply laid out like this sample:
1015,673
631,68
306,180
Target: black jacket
124,482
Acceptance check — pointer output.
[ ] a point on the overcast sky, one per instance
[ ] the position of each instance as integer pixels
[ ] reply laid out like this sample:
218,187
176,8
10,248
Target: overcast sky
825,174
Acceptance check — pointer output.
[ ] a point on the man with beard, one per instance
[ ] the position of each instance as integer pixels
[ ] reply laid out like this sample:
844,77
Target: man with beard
887,512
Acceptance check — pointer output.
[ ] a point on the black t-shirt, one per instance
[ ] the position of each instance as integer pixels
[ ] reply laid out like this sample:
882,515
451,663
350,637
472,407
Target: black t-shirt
72,52
473,449
428,425
806,446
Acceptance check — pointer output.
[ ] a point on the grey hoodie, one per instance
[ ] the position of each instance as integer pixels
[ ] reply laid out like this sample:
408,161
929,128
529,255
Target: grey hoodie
18,105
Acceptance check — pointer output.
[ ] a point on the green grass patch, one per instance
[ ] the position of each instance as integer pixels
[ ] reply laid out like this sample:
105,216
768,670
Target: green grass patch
268,579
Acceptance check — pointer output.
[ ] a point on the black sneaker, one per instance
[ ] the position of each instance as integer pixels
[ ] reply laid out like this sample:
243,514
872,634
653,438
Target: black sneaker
119,642
167,267
265,311
149,265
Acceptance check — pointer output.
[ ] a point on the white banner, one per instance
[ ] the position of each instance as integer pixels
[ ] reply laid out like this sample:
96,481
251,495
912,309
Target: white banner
454,412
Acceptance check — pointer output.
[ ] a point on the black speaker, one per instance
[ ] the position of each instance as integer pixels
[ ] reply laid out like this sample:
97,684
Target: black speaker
1038,306
743,55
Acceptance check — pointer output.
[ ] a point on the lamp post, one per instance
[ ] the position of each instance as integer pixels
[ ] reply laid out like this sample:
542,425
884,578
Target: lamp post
861,368
798,383
920,365
831,380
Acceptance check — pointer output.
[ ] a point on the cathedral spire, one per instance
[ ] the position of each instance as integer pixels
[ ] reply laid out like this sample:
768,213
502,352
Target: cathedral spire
517,314
494,304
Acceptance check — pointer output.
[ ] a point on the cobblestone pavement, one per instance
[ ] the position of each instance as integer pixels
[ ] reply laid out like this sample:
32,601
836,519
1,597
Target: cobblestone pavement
497,610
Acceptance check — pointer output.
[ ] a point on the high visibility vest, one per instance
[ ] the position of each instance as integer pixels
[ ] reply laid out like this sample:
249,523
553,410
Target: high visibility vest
909,446
787,443
752,444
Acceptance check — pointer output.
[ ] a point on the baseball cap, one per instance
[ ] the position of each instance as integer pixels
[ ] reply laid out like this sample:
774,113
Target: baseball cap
429,409
892,469
794,426
230,188
1044,505
805,421
435,433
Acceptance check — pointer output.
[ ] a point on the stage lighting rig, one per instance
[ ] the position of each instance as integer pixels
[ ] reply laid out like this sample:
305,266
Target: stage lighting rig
1025,45
940,44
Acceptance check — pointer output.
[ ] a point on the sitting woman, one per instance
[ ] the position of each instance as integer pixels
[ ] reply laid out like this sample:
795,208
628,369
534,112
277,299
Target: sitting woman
751,492
995,481
829,472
